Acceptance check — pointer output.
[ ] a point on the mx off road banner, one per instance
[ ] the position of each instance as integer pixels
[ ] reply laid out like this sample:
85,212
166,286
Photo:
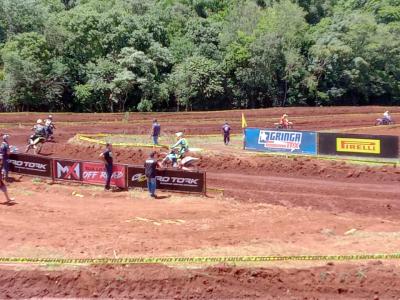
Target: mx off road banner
173,180
30,165
95,173
67,170
286,141
384,146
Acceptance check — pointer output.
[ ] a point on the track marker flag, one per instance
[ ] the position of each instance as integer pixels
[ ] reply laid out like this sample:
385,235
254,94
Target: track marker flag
244,123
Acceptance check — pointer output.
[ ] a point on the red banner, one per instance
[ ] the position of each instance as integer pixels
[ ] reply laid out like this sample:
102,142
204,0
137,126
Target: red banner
96,173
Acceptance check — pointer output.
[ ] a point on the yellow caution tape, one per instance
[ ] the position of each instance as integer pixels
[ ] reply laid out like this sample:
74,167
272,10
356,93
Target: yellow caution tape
101,142
215,190
195,260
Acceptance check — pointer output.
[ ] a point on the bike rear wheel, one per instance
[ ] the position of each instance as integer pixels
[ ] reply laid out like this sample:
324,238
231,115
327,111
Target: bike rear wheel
38,148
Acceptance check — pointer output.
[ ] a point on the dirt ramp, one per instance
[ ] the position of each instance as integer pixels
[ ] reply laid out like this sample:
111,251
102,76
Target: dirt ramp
224,282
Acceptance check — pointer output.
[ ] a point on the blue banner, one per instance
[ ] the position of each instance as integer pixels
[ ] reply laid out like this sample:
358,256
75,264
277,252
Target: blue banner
286,141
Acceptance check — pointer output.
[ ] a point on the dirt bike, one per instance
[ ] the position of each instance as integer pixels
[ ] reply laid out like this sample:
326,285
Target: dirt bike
35,143
384,121
283,126
187,163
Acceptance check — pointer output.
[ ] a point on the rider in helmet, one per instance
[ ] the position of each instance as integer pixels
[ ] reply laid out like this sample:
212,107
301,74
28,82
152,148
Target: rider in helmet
284,121
39,129
387,117
182,145
39,132
49,126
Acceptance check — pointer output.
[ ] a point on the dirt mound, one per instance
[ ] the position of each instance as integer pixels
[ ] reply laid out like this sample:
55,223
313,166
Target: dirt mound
245,164
224,282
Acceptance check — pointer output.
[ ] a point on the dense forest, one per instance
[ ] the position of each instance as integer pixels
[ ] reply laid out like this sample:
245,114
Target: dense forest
157,55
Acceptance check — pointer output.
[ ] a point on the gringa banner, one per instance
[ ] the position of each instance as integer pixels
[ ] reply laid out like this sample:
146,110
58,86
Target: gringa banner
67,170
173,180
384,146
30,165
95,173
286,141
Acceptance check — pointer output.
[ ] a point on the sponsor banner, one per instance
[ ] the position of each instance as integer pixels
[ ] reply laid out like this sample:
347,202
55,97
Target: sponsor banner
173,180
67,170
30,165
287,141
96,173
358,145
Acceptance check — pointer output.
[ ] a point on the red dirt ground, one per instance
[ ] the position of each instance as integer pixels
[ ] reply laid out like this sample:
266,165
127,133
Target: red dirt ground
223,282
270,206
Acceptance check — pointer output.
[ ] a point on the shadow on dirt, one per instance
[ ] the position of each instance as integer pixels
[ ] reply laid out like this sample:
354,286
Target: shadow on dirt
162,197
8,203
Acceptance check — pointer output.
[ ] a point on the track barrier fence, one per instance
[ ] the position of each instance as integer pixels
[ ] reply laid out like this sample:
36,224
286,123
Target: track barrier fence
91,172
321,143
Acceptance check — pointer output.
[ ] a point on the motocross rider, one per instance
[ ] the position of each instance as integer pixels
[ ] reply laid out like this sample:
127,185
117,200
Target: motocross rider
39,130
387,117
284,121
182,145
49,126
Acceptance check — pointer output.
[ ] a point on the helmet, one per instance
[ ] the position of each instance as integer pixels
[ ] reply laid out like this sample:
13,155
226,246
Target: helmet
5,137
285,115
50,116
386,112
179,134
39,121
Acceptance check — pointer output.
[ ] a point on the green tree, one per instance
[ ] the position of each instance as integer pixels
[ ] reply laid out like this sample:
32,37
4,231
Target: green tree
197,81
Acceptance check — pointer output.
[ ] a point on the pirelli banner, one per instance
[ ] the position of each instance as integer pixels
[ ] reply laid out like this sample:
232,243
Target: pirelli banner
31,165
286,141
384,146
172,180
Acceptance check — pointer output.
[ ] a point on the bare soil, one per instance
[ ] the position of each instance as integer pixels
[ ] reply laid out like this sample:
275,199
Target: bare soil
270,205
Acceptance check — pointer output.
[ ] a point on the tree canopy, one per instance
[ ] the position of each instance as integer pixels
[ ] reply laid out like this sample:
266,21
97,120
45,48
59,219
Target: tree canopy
157,55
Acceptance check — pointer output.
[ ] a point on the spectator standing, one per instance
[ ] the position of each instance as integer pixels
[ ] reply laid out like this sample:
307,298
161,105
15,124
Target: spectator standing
226,131
5,152
150,167
155,131
3,188
107,156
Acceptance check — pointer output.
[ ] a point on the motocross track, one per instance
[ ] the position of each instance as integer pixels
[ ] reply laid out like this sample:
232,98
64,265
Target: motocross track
270,205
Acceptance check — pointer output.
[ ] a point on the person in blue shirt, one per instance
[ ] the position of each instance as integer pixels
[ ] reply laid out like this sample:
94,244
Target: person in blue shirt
155,131
5,152
3,188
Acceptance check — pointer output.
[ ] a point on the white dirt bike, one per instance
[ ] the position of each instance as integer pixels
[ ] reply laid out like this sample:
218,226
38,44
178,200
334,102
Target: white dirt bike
187,163
36,143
